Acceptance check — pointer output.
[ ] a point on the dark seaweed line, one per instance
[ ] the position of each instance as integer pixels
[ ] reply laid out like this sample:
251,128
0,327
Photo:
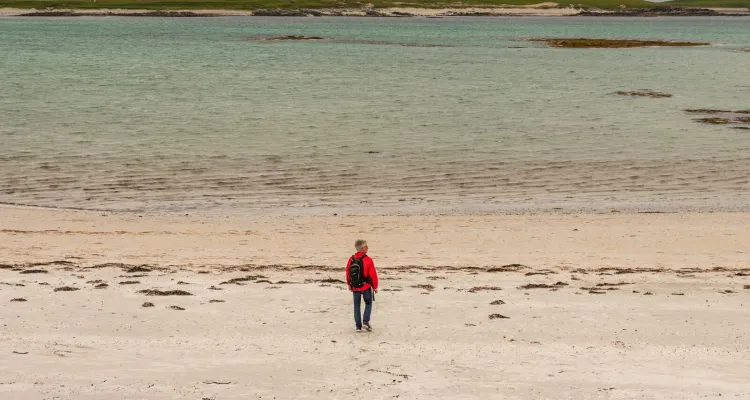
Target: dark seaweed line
508,268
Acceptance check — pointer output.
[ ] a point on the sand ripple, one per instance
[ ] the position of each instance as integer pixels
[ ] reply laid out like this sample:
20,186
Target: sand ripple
174,186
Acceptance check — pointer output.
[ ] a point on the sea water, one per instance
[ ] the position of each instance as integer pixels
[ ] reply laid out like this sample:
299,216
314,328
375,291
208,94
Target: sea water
385,115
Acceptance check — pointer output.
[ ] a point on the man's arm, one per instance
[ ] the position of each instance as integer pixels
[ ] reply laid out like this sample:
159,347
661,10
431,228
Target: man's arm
373,275
348,280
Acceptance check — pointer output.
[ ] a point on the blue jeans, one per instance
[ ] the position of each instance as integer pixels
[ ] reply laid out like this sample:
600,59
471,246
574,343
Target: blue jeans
367,294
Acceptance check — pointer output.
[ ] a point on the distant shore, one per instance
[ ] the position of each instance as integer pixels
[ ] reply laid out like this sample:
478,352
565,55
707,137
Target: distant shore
542,9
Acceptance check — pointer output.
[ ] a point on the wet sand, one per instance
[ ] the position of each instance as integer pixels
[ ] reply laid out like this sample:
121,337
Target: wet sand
592,306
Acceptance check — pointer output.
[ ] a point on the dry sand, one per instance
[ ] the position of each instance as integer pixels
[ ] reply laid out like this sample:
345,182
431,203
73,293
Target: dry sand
673,326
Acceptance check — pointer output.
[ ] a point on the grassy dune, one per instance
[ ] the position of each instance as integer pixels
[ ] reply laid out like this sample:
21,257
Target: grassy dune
292,4
711,3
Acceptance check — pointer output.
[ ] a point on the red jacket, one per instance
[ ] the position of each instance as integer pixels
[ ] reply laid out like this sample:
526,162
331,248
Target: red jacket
369,270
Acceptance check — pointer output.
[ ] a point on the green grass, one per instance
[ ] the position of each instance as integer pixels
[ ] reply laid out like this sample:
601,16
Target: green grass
711,3
292,4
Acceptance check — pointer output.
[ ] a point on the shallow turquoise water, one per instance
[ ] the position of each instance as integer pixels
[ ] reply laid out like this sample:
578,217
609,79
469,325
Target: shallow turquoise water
386,115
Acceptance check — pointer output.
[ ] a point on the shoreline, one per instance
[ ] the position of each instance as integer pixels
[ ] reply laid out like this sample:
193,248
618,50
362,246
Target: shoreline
541,10
511,208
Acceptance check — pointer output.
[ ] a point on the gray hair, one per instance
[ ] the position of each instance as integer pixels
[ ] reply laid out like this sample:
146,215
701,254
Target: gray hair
360,244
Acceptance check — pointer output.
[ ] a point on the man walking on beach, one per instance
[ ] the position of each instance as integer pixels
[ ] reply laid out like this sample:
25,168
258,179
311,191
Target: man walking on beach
363,281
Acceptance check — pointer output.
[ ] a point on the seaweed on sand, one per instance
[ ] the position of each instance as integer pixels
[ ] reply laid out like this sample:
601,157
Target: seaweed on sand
507,268
66,289
157,292
543,286
242,279
476,289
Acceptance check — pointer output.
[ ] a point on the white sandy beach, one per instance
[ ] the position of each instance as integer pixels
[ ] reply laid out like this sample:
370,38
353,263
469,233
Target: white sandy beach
649,306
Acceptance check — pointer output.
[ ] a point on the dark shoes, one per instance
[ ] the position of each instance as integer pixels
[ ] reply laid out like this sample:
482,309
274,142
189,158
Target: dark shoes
367,326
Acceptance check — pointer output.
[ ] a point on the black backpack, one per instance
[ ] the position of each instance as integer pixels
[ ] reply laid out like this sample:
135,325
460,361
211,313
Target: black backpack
357,277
